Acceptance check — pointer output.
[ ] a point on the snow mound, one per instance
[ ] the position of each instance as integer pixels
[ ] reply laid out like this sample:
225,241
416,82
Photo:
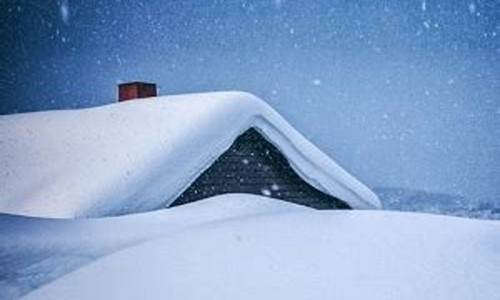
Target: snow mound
140,155
304,254
34,251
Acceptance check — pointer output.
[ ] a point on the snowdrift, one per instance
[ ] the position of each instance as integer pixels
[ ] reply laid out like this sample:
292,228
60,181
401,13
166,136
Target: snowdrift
34,251
140,155
285,253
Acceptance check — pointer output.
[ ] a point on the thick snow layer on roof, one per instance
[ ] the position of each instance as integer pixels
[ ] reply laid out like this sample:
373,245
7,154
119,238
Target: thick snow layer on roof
140,155
328,255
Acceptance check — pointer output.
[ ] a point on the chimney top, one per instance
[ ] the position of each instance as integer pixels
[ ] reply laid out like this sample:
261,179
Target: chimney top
135,90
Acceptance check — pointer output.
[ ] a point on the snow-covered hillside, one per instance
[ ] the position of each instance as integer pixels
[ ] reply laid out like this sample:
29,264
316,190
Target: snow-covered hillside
248,247
421,201
140,155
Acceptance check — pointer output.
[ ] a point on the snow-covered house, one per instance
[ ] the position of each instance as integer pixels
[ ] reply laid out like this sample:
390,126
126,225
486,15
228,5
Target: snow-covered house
141,155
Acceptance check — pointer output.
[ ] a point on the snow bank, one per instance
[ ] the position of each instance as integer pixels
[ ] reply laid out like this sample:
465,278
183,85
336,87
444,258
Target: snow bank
301,254
140,155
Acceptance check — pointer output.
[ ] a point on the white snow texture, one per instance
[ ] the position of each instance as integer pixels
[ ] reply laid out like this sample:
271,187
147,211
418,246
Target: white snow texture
239,247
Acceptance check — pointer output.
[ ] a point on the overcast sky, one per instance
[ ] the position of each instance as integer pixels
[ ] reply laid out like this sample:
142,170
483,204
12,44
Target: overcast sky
401,93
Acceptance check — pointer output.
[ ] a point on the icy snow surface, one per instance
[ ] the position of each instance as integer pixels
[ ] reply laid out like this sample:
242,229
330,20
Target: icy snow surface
269,251
140,155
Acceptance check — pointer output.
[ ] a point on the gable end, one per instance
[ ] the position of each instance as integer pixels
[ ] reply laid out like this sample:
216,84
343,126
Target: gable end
253,165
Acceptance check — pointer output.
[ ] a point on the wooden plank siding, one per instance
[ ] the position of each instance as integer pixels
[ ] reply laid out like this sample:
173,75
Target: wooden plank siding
255,166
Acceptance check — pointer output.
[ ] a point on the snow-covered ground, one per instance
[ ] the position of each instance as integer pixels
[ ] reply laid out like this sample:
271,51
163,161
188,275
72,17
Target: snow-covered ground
34,250
248,247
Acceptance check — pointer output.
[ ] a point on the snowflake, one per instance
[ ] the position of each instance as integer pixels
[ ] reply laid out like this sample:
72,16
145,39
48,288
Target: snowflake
316,82
64,10
472,8
265,192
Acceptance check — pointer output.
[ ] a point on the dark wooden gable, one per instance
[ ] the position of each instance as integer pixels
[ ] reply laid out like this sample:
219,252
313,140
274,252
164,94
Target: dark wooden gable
255,166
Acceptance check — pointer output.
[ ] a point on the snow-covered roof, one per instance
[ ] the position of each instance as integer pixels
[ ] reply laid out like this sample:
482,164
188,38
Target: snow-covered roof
140,155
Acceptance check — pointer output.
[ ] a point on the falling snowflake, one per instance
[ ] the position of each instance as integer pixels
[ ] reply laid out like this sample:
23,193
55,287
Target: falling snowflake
265,192
472,8
64,10
278,3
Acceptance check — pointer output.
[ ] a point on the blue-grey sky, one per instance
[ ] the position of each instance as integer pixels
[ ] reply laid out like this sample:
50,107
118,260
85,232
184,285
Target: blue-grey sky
401,93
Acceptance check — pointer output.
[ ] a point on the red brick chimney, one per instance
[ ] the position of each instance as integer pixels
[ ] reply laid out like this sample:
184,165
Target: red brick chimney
136,90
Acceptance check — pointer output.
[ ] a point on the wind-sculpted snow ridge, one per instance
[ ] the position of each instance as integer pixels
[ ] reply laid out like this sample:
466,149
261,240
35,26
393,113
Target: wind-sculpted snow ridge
140,155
